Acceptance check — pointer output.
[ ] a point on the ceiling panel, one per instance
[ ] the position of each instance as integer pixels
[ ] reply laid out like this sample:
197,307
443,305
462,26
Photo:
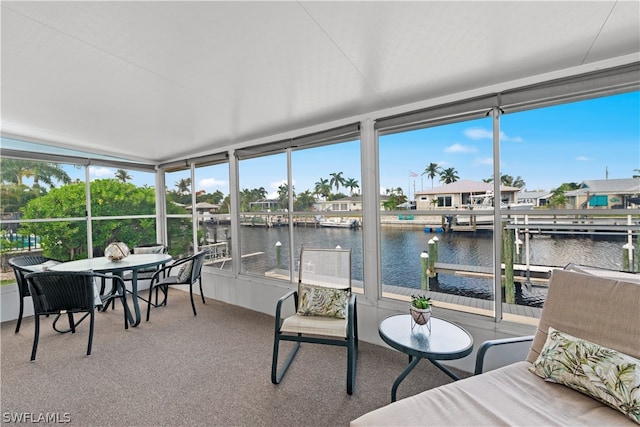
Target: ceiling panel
162,80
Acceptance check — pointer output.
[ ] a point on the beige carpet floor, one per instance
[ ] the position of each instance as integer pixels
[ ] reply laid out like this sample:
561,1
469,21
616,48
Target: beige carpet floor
181,370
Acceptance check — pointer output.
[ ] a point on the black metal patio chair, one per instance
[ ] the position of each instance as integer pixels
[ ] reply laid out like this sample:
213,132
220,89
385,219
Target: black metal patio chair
18,265
325,309
184,271
58,293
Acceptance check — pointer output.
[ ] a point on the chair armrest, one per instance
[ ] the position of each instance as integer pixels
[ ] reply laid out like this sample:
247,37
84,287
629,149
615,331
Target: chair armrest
494,343
282,299
351,313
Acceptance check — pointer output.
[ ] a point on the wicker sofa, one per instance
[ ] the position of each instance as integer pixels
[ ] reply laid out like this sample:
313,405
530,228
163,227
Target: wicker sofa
601,310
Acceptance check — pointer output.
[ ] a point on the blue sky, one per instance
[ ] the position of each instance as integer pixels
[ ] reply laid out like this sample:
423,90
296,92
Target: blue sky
546,147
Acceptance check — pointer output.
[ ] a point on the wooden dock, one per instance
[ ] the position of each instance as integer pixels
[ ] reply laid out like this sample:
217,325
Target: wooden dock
538,274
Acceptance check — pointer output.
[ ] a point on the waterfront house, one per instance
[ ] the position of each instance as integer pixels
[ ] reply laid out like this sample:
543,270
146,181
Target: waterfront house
605,193
271,205
537,198
226,91
459,194
345,204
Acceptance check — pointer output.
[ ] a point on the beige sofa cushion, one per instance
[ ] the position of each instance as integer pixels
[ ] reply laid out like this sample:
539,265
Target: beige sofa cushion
600,310
507,396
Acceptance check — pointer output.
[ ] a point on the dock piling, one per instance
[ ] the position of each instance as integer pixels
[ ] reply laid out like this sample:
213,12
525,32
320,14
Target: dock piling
279,254
627,257
507,258
424,260
432,258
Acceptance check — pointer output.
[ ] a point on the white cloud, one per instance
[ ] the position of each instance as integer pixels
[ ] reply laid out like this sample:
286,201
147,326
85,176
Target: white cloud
479,133
101,172
484,161
504,137
583,159
273,187
459,148
210,184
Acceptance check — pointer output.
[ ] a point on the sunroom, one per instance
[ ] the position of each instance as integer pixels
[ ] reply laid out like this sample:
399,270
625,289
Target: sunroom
118,117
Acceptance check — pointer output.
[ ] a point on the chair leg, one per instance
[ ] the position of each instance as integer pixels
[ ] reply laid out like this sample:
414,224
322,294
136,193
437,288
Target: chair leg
351,366
275,377
91,331
72,325
125,307
20,314
149,300
36,335
352,353
201,293
193,305
158,288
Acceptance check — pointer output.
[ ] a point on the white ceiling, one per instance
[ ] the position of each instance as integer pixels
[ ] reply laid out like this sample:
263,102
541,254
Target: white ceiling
162,80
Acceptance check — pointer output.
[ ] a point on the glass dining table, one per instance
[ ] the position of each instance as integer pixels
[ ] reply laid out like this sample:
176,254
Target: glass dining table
131,263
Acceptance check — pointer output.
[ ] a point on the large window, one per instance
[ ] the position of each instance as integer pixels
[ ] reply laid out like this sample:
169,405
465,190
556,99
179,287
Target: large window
212,208
36,193
582,158
178,190
34,190
123,207
432,240
209,188
569,185
328,202
300,192
264,220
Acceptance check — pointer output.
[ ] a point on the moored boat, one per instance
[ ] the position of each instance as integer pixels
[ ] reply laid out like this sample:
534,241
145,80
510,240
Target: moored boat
339,222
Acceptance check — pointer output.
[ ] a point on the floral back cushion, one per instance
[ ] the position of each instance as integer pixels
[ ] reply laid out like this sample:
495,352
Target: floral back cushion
322,301
607,375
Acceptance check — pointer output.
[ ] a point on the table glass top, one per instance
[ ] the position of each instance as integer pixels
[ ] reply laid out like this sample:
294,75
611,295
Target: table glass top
445,340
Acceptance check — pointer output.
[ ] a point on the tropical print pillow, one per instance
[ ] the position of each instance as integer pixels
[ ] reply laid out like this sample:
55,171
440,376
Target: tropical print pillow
323,301
607,375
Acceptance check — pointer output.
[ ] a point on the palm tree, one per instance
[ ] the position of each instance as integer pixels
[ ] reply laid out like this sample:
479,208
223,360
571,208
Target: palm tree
337,180
519,182
323,188
397,191
14,170
122,175
184,185
351,184
283,195
258,194
431,171
449,175
510,181
558,199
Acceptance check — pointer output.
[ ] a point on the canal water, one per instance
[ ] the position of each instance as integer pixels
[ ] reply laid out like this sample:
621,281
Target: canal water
401,251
